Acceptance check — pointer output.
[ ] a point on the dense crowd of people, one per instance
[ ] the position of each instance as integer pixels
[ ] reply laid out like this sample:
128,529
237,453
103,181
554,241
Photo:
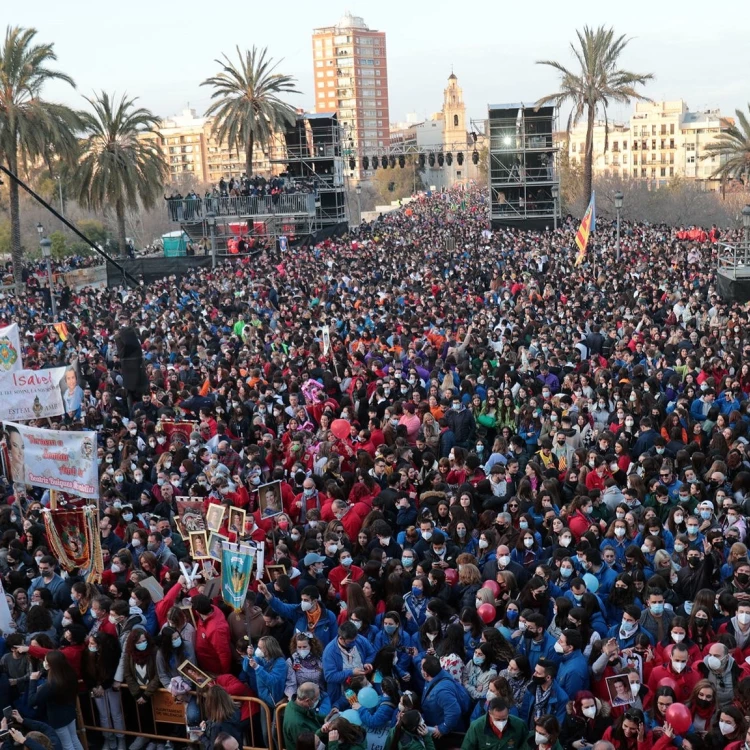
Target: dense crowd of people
528,531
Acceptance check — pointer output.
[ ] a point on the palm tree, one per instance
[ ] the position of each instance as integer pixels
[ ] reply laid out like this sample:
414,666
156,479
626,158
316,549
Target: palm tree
734,145
598,83
30,127
248,108
119,165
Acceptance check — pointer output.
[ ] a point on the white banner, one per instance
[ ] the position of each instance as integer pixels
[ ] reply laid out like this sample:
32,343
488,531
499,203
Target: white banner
35,394
10,349
53,459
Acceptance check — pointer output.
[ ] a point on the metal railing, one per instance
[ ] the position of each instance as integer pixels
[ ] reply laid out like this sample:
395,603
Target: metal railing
196,209
253,742
734,260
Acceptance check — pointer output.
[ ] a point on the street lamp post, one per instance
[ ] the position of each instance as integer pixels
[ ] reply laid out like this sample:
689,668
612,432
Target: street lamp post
211,221
358,191
555,196
618,207
46,245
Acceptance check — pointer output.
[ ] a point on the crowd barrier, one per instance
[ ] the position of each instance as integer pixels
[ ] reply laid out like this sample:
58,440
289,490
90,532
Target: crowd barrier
165,711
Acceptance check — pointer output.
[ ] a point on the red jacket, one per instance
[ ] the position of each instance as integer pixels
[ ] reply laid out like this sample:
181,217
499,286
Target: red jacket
685,682
578,524
352,521
213,643
73,654
337,574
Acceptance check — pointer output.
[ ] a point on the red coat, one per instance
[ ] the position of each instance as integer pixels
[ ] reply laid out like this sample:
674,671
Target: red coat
73,654
337,574
213,643
631,745
685,681
578,524
352,521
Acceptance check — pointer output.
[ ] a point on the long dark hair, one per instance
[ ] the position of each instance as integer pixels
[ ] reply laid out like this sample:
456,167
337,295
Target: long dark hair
61,678
407,724
453,643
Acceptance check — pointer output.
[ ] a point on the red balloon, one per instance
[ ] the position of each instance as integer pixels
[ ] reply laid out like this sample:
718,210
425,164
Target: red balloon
486,613
340,428
493,586
451,575
678,715
667,682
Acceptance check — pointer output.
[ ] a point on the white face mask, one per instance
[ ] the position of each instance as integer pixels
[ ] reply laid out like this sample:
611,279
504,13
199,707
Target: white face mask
306,606
589,712
726,728
500,724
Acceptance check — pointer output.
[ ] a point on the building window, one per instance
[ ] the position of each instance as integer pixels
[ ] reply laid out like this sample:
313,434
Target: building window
455,121
663,171
671,171
671,129
653,145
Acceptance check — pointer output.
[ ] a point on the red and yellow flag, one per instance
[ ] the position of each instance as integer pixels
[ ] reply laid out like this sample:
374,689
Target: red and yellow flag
588,224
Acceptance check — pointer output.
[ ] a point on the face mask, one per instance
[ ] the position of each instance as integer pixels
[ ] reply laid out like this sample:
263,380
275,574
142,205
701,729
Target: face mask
132,602
427,535
627,627
678,518
620,532
306,606
678,637
176,642
678,666
478,603
679,548
743,618
142,646
504,560
93,649
113,619
540,739
390,629
528,543
303,653
692,529
645,549
483,544
565,541
295,536
558,647
713,662
705,514
620,516
385,541
66,621
635,687
407,562
523,525
346,561
439,552
726,728
656,609
500,724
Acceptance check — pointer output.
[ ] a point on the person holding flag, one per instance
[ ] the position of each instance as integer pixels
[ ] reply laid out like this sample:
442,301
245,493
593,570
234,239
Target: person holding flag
588,224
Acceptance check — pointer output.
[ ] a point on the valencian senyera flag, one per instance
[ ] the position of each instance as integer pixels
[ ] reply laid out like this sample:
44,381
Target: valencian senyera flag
588,224
236,569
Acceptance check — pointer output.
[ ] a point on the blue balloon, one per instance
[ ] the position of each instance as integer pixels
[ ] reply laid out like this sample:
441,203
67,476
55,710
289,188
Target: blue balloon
368,697
351,716
592,583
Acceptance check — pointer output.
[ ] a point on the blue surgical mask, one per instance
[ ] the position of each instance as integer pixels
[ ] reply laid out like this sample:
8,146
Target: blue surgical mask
407,562
176,642
357,623
523,524
656,609
346,561
478,660
705,514
142,646
416,592
566,572
390,629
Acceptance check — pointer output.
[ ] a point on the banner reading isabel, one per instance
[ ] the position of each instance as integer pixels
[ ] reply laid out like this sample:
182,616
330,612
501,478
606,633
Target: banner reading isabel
34,394
53,459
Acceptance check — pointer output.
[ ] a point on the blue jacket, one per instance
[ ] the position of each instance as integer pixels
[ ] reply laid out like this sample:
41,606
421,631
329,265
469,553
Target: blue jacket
444,704
573,674
383,715
403,660
556,706
325,631
417,609
534,651
606,577
268,680
152,624
629,642
333,667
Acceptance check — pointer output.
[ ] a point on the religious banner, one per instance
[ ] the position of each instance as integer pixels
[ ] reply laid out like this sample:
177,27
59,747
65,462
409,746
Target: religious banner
35,394
236,569
178,430
190,513
53,459
74,540
10,348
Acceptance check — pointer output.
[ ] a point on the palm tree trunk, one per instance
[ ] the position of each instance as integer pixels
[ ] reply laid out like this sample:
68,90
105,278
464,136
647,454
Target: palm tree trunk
16,251
249,156
588,162
121,239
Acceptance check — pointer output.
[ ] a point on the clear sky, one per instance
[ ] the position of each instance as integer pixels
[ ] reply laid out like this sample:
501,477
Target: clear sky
161,51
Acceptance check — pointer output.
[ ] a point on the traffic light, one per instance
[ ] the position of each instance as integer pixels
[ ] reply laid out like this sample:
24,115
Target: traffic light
475,156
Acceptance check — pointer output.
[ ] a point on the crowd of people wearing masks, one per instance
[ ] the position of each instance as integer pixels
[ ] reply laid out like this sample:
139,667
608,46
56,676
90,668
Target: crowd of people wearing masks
531,531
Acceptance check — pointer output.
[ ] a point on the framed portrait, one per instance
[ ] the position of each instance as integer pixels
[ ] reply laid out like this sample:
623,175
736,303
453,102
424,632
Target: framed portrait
236,521
198,545
190,672
269,499
214,517
274,571
619,690
190,515
214,545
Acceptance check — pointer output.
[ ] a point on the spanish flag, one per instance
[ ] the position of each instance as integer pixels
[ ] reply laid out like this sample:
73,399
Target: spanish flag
588,224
